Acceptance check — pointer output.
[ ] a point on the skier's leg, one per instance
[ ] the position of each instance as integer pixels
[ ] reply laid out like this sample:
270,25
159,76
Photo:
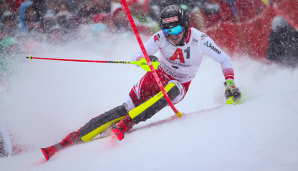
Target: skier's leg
146,110
144,90
148,88
102,122
91,129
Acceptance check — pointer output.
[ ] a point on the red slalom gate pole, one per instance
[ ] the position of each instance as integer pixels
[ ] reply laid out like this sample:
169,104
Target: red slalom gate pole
148,59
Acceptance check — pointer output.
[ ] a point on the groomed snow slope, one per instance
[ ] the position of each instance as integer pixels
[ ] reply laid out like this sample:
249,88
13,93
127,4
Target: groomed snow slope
49,99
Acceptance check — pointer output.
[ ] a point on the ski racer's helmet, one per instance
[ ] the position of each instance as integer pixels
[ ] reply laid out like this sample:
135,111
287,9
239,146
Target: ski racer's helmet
172,16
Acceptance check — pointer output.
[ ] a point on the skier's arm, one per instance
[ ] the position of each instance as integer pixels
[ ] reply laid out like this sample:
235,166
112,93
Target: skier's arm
152,46
212,50
209,48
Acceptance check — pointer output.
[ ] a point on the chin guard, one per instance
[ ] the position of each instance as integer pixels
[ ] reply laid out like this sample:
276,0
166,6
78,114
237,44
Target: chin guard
182,41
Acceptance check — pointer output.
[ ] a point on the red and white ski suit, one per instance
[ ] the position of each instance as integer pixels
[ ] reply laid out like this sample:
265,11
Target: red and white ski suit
179,63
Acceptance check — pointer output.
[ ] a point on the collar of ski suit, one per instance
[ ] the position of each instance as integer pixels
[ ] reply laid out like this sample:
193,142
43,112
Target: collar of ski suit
188,36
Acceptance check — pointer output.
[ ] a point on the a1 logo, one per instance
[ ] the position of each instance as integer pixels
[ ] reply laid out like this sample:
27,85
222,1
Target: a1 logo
179,55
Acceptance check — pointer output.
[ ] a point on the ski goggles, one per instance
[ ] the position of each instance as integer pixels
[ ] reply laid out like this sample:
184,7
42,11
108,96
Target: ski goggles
173,31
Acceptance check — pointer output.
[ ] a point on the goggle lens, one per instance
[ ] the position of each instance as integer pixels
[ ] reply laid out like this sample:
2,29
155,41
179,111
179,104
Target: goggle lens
173,31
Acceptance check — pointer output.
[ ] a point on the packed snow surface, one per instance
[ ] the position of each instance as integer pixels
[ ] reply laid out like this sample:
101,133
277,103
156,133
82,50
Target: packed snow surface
49,99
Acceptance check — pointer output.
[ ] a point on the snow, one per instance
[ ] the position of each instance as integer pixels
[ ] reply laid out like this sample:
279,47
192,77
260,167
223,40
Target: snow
49,99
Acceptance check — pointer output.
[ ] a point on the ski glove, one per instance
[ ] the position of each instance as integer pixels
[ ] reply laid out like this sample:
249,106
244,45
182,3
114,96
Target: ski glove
141,62
152,58
232,90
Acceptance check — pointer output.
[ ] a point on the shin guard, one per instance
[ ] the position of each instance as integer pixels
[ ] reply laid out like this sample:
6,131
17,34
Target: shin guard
97,125
153,105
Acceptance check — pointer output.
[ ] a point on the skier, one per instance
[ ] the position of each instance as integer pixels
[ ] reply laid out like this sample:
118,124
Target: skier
181,51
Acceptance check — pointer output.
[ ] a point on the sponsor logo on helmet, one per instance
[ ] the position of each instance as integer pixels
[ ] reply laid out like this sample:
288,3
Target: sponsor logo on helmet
169,20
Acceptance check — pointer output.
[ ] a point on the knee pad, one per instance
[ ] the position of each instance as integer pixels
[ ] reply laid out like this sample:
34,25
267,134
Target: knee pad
128,104
153,105
181,90
100,123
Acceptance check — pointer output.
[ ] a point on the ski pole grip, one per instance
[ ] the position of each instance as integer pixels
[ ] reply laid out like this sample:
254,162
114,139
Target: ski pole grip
30,57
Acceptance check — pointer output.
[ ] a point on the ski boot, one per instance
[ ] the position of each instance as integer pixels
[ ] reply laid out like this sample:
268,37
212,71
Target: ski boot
122,127
70,139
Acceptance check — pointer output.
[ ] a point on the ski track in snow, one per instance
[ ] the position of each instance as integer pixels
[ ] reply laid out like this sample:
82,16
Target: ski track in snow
49,99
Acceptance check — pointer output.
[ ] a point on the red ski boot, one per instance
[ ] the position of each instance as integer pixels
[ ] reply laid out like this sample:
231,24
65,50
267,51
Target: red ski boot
49,151
70,139
122,127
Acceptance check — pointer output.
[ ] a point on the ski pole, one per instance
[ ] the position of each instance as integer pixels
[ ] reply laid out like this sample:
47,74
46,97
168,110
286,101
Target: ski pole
142,63
148,59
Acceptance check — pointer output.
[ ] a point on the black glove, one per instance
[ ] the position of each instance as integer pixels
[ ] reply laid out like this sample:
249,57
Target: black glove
153,58
232,91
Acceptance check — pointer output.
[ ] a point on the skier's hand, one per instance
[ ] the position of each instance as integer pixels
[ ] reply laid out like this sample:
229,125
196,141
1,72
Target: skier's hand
152,58
232,91
141,62
139,58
